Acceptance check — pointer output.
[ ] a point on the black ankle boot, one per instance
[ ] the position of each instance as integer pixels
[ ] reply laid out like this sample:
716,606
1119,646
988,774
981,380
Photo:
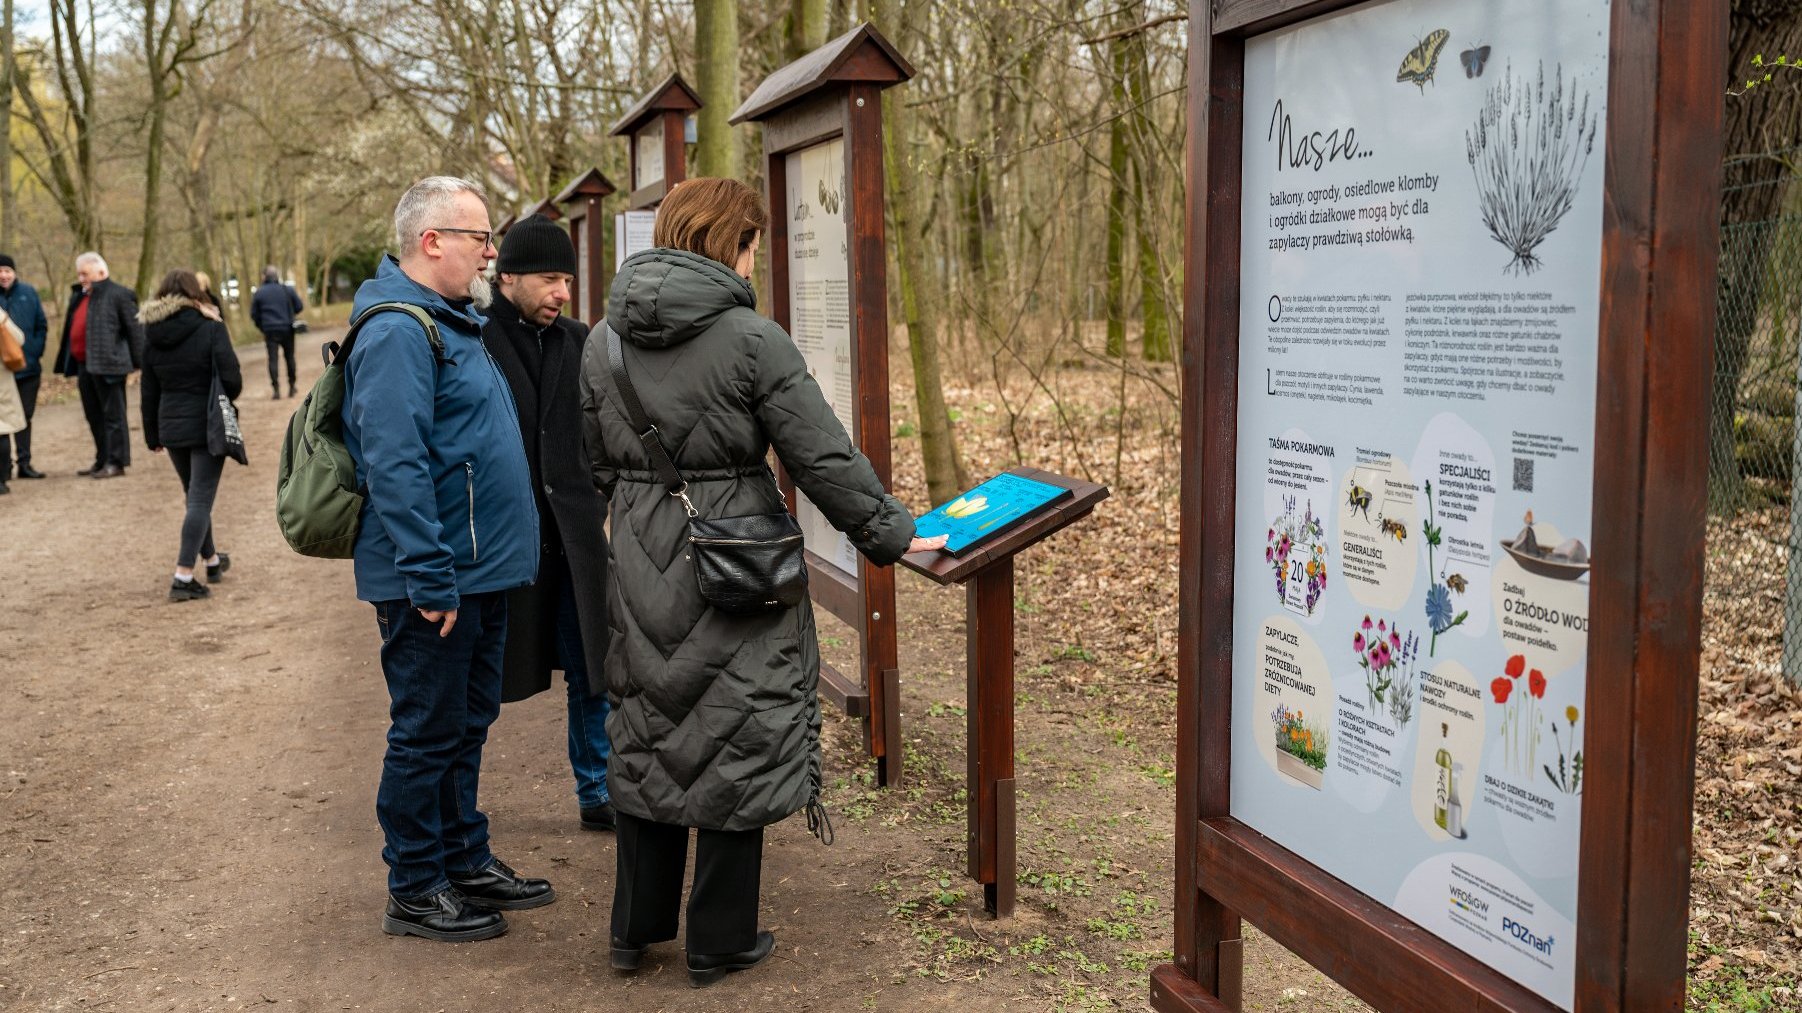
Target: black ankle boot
705,969
626,956
442,916
498,887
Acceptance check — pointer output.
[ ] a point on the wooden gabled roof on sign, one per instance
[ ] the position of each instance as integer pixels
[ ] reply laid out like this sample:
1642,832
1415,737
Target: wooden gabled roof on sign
672,93
590,184
861,55
546,207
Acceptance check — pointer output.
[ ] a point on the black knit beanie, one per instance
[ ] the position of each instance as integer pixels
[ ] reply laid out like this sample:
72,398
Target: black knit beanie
6,260
537,245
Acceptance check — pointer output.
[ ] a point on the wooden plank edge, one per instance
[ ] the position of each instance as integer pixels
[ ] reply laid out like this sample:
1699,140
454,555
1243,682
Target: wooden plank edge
848,696
1172,991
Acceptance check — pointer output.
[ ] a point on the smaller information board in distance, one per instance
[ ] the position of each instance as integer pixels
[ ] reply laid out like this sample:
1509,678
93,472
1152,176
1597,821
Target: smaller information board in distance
987,510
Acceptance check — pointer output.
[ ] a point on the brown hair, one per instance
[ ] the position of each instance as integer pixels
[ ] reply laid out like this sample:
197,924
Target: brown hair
716,218
182,282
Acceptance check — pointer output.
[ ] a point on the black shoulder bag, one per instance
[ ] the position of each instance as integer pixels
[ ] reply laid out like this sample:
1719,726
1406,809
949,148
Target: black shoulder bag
745,565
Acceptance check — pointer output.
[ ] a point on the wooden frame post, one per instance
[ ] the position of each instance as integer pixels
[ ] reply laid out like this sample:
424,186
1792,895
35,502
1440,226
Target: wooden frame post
827,106
655,129
1660,152
582,201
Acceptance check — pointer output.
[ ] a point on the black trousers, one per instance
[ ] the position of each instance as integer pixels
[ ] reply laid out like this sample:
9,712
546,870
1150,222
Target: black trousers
283,342
199,473
722,906
28,397
103,402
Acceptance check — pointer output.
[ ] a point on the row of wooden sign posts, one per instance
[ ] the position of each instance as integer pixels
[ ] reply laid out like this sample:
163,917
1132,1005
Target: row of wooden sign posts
1662,147
833,96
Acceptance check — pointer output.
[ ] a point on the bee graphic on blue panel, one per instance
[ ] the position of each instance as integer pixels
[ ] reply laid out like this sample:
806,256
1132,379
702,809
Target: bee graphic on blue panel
1420,63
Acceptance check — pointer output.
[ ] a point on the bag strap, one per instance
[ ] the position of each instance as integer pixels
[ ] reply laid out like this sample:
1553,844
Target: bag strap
641,424
338,352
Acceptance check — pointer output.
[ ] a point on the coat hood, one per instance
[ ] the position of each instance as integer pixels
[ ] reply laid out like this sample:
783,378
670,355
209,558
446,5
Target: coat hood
391,284
663,297
170,319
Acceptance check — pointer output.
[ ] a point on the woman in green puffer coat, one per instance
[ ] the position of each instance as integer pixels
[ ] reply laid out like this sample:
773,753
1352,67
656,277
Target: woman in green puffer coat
716,717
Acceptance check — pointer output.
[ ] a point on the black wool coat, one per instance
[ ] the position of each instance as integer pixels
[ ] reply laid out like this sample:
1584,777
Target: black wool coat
542,368
716,717
183,350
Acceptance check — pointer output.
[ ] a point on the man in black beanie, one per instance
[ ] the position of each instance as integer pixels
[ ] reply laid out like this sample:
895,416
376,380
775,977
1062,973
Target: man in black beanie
561,621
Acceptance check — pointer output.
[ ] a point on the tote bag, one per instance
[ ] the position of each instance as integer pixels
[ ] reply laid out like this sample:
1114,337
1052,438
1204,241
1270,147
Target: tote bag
223,437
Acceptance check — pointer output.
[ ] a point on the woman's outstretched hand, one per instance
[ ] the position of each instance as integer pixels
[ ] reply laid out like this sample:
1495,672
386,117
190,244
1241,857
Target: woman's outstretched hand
927,544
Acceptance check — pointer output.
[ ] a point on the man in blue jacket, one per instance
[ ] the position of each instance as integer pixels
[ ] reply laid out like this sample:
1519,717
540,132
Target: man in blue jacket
272,310
449,527
20,302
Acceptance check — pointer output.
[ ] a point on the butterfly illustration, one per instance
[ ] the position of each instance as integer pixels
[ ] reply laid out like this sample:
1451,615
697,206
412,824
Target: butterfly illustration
1422,60
1474,60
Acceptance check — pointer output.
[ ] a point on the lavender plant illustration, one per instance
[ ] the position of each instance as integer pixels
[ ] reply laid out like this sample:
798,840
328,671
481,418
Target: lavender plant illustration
1528,149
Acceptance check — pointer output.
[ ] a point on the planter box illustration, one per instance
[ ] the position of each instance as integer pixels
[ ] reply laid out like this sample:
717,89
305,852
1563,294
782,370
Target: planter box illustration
1294,768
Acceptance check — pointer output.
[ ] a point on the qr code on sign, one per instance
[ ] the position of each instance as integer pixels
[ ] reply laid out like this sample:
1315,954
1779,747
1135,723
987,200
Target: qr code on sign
1523,474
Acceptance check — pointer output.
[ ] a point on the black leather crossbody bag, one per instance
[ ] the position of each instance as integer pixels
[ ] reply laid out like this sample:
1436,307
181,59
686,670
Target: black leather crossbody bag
745,565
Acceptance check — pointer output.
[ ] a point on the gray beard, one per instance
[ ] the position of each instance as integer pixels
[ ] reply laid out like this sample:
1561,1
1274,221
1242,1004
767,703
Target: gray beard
481,292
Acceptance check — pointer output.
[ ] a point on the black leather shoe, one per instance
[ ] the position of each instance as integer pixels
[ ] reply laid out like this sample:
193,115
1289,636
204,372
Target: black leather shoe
110,471
88,472
705,970
626,956
443,916
187,590
27,471
498,887
213,573
3,489
598,817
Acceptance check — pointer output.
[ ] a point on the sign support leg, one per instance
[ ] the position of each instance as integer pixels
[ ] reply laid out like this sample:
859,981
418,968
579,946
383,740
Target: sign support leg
990,619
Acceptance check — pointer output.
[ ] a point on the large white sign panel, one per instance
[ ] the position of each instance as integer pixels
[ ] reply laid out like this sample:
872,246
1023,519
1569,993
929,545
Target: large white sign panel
1420,270
819,307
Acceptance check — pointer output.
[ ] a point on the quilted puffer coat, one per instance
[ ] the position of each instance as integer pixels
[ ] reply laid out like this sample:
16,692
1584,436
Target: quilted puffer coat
716,717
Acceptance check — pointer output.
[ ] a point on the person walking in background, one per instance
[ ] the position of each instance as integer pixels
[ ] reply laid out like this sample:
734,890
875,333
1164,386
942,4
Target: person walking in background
103,343
19,301
272,310
186,345
447,530
716,720
560,621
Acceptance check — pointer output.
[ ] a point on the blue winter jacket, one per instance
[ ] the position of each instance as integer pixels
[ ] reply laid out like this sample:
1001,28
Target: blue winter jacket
450,509
22,304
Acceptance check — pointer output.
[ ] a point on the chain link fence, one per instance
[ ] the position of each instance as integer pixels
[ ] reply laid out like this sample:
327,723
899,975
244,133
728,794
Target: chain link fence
1755,452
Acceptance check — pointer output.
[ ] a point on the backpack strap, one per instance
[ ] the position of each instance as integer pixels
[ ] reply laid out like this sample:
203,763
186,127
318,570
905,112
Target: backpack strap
339,351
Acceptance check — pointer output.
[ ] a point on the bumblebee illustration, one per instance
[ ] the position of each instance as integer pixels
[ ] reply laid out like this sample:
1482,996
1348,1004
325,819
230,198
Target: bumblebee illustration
1396,528
1457,583
1359,500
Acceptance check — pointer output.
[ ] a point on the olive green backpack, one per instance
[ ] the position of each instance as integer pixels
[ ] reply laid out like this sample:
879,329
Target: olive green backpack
318,502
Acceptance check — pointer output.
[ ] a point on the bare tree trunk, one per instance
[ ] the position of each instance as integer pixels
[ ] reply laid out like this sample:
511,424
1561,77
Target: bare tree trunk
806,27
716,78
945,475
9,210
1154,312
1118,169
1764,119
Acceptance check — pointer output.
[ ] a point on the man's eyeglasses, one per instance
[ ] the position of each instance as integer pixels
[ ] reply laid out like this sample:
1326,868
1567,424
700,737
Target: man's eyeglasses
487,236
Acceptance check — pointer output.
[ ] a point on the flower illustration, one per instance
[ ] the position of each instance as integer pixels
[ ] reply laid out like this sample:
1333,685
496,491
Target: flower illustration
1439,607
1569,775
1536,683
1501,688
1516,665
1520,714
1570,714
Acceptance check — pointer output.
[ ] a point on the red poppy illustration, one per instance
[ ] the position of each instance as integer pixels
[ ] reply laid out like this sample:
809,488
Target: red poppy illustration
1536,683
1516,665
1501,688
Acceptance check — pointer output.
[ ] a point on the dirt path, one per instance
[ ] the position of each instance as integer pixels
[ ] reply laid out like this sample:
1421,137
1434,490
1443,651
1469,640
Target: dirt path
187,803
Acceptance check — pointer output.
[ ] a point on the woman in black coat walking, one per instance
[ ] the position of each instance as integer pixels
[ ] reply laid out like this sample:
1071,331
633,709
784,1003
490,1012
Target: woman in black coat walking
186,344
716,717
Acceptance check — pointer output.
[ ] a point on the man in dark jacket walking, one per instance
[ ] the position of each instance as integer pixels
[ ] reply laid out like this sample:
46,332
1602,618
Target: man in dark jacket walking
447,530
103,343
273,309
560,622
20,302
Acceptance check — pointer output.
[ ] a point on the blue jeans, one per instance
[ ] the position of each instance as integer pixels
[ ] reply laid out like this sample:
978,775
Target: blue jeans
443,694
589,746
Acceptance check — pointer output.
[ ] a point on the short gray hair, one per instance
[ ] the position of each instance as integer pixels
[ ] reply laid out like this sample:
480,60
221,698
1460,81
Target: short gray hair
91,257
424,200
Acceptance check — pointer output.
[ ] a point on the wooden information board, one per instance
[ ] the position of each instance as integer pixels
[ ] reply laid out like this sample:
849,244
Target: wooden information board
1449,288
822,144
581,201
